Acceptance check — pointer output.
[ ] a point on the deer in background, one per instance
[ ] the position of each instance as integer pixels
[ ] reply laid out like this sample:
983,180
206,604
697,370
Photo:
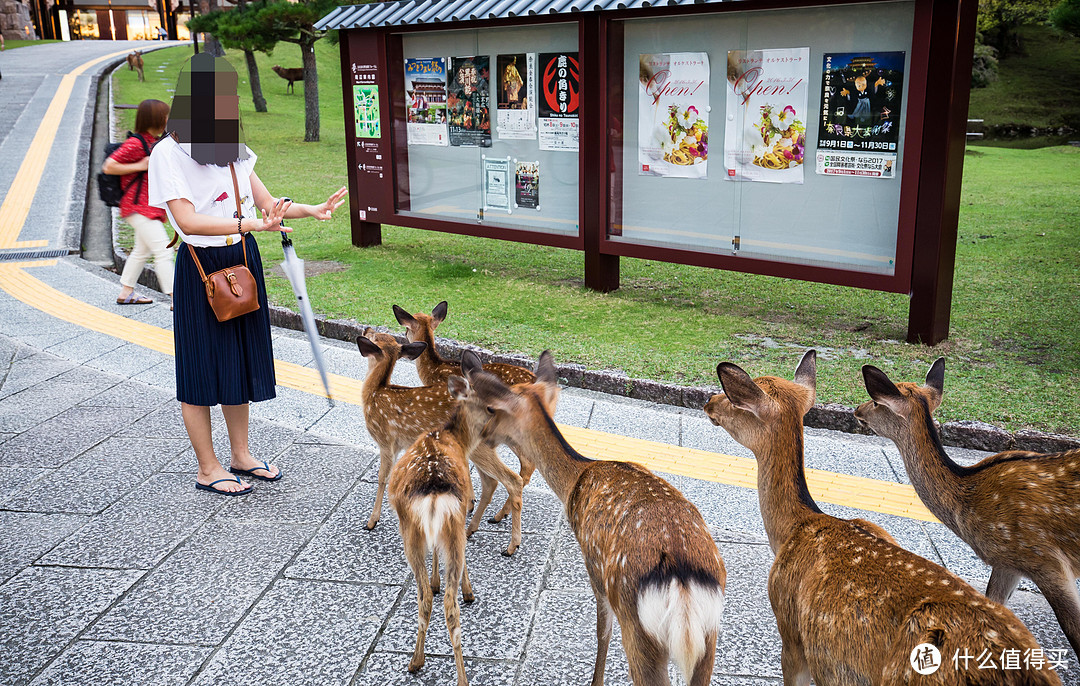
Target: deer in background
429,490
851,605
1017,510
433,369
397,415
289,74
651,560
135,62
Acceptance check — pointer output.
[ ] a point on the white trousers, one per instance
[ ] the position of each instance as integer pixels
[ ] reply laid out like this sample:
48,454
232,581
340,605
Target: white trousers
150,239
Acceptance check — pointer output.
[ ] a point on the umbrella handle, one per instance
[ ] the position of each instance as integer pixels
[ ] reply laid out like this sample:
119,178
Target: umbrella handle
285,240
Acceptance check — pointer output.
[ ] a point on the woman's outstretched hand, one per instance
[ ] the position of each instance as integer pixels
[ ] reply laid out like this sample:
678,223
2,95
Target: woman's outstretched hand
271,219
326,210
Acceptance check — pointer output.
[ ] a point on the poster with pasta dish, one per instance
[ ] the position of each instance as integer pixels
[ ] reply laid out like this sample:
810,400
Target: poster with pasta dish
765,137
673,114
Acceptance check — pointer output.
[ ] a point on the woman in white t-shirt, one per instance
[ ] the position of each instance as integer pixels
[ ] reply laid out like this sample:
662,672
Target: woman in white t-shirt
191,175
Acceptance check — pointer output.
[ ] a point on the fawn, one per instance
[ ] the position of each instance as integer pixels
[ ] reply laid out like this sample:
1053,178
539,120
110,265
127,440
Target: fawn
429,490
433,369
851,605
397,415
1017,510
651,560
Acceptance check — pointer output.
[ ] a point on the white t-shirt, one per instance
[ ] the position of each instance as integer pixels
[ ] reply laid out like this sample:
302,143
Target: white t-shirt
173,174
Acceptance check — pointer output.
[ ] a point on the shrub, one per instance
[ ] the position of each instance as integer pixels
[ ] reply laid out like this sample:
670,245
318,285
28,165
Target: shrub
1066,17
984,69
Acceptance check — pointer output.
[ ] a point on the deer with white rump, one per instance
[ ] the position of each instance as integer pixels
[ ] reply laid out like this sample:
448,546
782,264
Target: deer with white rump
429,489
651,560
433,369
853,607
1017,510
397,415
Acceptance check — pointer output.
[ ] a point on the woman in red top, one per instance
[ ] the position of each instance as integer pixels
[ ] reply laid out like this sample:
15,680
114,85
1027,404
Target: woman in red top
131,161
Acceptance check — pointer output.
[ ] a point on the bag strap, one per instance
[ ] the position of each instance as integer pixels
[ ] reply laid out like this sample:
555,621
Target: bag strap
239,212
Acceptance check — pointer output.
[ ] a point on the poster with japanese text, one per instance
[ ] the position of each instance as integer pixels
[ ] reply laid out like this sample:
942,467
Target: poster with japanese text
366,103
497,183
861,98
673,114
515,103
560,99
527,185
425,97
765,137
468,101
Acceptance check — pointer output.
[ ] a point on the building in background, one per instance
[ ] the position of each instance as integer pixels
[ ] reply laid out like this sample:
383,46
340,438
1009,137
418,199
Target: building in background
99,19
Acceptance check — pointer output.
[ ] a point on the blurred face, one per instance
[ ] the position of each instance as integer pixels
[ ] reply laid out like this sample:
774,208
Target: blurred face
206,111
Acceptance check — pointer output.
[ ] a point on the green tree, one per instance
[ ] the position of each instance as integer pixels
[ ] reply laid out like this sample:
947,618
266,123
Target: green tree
1066,17
999,20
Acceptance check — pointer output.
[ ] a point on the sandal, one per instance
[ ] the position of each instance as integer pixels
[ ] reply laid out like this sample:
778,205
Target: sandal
251,472
133,299
210,487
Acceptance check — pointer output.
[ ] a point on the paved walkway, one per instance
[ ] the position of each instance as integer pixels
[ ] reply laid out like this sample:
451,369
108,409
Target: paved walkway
114,570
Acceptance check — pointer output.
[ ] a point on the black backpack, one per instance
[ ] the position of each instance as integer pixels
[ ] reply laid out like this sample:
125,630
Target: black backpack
109,189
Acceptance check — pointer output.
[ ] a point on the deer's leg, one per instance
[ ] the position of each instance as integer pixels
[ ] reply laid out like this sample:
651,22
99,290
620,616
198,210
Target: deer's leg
415,554
487,461
487,488
435,580
386,461
470,495
604,619
526,472
1002,583
793,664
455,572
1060,591
704,668
648,659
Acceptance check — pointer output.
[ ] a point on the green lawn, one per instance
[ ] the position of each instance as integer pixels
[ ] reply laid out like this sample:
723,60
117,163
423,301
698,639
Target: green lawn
1012,359
19,43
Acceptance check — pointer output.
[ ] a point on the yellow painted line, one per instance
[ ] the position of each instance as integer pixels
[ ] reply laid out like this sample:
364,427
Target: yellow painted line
30,244
20,196
829,487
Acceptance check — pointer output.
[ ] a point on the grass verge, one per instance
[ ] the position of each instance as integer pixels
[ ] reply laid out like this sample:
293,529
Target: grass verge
1012,358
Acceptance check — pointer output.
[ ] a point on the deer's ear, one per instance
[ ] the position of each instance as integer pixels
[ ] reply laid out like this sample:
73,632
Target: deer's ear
403,317
368,347
740,389
935,382
883,391
411,351
458,387
545,369
806,374
470,363
439,313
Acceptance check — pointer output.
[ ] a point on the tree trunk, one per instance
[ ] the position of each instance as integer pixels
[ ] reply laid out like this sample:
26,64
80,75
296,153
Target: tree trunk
253,79
311,92
211,44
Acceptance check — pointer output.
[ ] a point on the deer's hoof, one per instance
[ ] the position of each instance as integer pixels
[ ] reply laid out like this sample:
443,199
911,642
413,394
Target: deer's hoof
508,552
415,665
468,597
370,526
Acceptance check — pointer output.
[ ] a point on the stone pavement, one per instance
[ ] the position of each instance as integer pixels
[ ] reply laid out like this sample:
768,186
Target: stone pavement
115,570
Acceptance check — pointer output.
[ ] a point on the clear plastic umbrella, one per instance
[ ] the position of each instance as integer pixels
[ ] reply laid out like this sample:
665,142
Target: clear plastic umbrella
293,267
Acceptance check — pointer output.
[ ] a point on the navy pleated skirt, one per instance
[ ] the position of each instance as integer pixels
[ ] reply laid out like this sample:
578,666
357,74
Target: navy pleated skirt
227,363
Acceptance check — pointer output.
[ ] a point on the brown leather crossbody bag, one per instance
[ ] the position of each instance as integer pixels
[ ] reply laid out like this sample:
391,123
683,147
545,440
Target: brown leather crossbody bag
231,291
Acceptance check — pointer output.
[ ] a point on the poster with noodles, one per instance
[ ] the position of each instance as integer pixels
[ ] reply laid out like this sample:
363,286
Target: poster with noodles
765,137
515,103
673,114
861,97
560,98
468,101
425,98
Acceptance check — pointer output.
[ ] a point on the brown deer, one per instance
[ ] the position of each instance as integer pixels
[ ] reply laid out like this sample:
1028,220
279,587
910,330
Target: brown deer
433,369
651,560
291,74
135,62
1017,510
851,605
429,490
397,415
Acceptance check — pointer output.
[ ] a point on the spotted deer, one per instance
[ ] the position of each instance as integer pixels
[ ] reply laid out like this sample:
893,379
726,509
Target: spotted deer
851,605
429,489
433,369
1017,510
397,415
650,558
